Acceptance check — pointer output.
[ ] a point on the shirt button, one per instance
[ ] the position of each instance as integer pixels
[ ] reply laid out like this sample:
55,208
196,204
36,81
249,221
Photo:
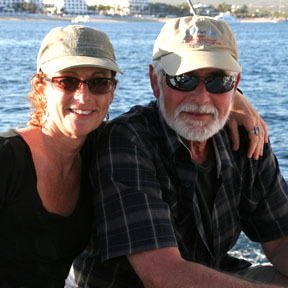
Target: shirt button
187,185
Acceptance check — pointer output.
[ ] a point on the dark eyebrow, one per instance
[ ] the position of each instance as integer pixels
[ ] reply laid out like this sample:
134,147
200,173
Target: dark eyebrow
220,72
214,73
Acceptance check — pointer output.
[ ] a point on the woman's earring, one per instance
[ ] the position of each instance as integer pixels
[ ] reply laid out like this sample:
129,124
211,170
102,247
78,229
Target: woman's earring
44,117
107,117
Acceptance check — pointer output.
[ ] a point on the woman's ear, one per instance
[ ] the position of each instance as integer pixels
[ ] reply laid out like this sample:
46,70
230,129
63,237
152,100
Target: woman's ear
38,85
111,96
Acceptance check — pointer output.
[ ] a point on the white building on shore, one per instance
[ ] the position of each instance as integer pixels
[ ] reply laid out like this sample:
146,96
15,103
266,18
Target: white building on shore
67,6
14,3
9,3
122,7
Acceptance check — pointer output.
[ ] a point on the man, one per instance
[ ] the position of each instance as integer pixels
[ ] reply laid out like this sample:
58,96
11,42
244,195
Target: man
173,196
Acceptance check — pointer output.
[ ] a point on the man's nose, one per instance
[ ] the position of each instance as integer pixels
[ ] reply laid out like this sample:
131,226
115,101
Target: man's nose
200,94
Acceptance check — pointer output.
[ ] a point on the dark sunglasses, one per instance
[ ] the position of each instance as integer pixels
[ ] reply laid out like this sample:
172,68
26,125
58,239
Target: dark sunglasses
216,84
95,85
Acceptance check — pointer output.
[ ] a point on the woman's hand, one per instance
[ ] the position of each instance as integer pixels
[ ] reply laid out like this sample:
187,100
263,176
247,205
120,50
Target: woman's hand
242,113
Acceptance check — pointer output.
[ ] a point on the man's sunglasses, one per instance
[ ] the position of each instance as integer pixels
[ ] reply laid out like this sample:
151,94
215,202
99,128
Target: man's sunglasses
95,85
216,84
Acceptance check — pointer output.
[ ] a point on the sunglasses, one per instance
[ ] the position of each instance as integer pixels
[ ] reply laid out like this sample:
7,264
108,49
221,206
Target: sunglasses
95,85
216,84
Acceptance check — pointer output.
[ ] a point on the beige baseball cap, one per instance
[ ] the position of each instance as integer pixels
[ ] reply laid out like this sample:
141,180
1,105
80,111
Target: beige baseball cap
76,46
195,42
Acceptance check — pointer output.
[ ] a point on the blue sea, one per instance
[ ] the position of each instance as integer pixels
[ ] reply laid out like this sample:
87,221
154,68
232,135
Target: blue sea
263,57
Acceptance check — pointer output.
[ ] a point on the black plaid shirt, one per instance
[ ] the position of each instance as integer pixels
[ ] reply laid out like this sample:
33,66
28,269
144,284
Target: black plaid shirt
146,181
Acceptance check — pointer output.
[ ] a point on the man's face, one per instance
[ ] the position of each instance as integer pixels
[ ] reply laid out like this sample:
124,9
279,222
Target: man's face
195,115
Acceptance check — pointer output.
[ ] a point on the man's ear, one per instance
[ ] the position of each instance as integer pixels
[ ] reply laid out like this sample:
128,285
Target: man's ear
154,81
237,81
236,86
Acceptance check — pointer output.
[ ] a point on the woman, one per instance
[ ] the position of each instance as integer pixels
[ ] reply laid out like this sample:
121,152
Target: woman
45,199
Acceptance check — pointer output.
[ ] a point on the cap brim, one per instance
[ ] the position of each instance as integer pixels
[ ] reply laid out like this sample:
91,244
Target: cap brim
182,62
66,62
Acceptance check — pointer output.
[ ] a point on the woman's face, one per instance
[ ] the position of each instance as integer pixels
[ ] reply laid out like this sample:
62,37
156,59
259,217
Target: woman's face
78,112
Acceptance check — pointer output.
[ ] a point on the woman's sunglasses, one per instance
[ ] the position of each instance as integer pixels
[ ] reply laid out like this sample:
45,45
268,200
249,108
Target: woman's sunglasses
95,85
216,84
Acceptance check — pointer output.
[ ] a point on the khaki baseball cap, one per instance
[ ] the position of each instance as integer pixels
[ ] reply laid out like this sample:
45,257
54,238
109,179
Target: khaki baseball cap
195,42
76,46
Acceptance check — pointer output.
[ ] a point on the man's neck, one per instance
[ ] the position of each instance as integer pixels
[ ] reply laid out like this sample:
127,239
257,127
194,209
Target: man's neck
199,150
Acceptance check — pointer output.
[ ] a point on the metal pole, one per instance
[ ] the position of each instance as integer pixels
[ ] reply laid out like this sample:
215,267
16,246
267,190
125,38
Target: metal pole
191,7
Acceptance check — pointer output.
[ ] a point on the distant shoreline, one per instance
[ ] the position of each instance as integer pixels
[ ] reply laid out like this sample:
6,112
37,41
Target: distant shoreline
40,17
261,20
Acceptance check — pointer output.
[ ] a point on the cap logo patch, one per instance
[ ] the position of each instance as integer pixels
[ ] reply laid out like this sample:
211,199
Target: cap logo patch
195,35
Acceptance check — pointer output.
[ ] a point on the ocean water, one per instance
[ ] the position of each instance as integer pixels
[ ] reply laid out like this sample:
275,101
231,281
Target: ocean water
263,57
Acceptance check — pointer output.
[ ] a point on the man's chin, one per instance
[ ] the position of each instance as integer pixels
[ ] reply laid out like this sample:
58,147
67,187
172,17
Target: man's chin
195,138
197,133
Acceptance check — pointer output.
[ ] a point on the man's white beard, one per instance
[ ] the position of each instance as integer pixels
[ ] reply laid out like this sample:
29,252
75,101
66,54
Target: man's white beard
189,129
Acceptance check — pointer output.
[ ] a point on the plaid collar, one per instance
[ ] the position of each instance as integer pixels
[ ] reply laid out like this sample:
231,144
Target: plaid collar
173,142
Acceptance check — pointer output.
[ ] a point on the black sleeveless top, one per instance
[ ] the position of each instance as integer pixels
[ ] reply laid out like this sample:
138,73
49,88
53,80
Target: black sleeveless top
37,247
